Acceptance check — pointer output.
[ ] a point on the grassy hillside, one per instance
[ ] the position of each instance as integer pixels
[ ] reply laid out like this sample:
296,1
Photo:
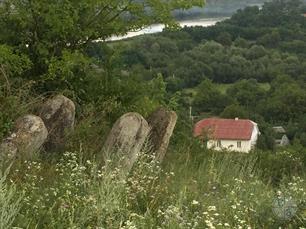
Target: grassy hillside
251,66
195,188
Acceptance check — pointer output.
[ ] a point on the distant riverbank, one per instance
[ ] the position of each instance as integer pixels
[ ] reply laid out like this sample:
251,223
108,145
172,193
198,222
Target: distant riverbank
156,28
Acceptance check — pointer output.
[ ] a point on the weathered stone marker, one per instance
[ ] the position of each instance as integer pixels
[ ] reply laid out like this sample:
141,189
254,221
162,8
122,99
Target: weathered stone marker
58,114
29,134
126,140
162,123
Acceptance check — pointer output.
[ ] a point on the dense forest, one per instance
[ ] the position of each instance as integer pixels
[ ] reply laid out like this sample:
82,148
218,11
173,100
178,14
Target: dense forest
218,8
251,66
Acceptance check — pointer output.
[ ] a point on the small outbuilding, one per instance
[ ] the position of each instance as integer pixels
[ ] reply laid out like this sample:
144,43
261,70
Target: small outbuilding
228,134
281,138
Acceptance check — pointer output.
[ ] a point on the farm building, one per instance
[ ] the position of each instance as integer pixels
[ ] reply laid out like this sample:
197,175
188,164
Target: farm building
228,134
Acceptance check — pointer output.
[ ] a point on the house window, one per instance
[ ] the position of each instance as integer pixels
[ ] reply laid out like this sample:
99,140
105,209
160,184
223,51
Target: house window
219,144
239,144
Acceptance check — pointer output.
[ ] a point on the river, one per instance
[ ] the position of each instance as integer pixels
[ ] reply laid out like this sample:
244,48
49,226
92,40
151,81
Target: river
156,28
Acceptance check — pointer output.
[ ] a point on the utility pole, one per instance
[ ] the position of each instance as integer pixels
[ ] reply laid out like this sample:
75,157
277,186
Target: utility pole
190,113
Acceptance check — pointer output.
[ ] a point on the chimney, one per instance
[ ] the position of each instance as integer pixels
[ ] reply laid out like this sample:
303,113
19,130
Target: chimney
236,119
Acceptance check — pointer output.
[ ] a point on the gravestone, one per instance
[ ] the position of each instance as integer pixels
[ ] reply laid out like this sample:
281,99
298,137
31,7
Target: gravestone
126,140
58,114
28,136
162,123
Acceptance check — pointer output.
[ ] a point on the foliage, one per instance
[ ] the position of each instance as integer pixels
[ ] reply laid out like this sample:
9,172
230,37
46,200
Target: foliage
10,201
253,47
234,111
12,63
209,99
282,163
204,190
218,71
50,28
14,103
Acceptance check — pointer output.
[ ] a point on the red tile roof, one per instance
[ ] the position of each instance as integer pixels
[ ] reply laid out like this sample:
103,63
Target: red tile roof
226,129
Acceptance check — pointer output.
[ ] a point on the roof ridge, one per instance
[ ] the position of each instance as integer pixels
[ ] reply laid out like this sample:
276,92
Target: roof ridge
241,119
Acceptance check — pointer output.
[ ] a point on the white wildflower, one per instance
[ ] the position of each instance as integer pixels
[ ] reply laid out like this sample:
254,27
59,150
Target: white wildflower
194,202
212,208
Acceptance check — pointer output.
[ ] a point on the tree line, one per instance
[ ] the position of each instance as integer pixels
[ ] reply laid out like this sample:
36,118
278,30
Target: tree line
258,55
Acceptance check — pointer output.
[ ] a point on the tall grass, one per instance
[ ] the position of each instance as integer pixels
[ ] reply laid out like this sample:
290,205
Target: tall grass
10,202
192,189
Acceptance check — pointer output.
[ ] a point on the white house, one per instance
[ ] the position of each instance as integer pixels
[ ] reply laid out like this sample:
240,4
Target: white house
228,134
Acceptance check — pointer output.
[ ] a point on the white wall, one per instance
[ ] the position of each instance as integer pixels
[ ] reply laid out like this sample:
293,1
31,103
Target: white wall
230,145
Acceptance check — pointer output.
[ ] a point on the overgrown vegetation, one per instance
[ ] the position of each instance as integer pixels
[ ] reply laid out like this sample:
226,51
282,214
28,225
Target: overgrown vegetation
205,190
250,66
253,48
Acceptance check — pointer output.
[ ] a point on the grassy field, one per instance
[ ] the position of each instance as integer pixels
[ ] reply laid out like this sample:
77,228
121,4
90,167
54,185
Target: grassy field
193,188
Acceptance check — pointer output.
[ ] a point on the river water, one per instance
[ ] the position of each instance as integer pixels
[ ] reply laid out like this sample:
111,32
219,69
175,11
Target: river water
156,28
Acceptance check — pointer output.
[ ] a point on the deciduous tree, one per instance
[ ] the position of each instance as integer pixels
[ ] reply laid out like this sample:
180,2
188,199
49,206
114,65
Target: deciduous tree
43,29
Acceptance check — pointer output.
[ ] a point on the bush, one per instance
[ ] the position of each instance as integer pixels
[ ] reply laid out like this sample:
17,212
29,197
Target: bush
275,166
